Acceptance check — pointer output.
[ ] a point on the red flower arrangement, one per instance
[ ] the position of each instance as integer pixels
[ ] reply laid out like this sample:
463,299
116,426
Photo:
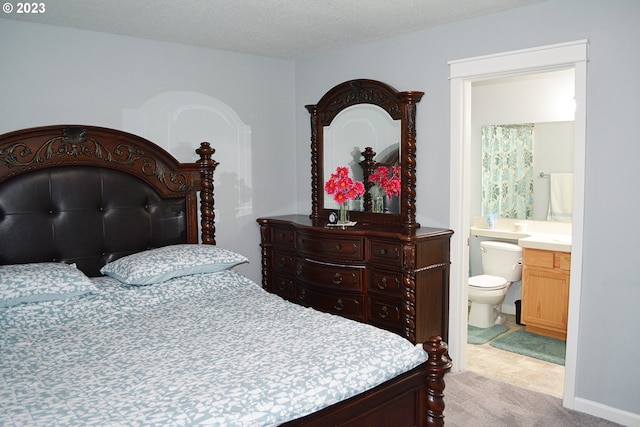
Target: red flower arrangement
342,187
390,183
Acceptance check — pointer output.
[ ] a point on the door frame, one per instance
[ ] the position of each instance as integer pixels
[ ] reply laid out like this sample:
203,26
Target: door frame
463,73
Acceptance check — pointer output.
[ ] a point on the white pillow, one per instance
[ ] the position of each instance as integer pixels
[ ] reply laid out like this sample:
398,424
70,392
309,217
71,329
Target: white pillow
46,281
161,264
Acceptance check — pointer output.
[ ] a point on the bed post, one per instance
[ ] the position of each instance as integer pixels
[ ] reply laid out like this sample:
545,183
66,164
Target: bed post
438,364
207,167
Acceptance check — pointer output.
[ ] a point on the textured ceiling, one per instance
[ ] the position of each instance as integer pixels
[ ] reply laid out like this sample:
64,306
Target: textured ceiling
288,29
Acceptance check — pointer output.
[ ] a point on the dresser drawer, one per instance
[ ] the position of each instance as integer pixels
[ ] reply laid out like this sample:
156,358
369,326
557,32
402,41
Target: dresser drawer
344,304
538,258
284,262
284,286
381,251
563,261
283,236
385,313
330,276
340,248
385,282
547,259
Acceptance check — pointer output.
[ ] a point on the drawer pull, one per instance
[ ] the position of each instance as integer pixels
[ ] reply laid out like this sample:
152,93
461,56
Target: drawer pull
337,279
299,269
339,305
384,312
281,285
382,284
281,262
338,247
383,251
302,295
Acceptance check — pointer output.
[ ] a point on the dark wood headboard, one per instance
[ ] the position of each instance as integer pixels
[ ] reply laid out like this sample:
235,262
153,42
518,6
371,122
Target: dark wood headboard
88,195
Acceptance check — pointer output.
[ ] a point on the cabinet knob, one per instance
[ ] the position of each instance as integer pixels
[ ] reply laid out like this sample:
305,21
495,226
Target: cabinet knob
337,279
338,247
382,284
339,305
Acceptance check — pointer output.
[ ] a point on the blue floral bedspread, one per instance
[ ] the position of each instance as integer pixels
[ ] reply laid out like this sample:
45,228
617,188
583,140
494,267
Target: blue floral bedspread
208,349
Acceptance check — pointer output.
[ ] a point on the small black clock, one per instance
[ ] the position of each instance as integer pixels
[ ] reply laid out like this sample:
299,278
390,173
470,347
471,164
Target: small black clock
333,218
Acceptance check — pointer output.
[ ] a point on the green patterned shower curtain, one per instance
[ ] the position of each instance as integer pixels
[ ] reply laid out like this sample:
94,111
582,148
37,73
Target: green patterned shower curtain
507,171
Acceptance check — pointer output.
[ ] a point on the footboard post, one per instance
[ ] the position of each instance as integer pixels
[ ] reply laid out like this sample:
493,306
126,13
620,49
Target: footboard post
438,364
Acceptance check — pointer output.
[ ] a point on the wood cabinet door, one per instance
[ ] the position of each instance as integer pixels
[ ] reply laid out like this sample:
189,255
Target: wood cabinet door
545,301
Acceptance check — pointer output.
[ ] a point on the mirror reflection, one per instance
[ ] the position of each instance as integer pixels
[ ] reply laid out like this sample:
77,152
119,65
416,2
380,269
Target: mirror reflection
527,171
353,130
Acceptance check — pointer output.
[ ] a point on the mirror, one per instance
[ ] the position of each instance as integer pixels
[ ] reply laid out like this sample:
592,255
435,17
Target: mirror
545,101
353,130
363,124
550,150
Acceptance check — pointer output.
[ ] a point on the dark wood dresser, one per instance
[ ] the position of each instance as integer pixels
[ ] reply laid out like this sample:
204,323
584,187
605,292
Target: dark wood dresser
391,278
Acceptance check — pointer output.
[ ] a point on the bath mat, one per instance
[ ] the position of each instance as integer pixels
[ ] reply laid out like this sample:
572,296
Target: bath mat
482,335
533,345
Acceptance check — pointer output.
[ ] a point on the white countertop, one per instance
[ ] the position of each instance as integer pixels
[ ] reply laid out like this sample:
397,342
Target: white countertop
550,242
535,237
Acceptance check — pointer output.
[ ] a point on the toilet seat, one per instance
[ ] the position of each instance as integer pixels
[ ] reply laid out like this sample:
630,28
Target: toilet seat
487,282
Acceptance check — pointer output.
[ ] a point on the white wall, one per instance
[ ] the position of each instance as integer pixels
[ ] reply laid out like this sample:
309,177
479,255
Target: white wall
55,75
608,350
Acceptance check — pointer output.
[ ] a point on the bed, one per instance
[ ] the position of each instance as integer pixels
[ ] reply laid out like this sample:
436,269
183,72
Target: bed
118,308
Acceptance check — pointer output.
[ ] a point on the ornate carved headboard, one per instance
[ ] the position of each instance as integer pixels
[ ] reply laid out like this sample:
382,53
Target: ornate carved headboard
89,195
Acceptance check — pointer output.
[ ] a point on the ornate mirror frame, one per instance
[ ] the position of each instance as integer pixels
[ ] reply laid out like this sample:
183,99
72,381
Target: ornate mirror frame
400,106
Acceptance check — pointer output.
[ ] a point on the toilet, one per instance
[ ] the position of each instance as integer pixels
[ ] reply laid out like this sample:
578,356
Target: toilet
502,265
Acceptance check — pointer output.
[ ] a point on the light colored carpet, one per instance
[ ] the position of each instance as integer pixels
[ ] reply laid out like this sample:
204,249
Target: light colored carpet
472,400
479,336
533,345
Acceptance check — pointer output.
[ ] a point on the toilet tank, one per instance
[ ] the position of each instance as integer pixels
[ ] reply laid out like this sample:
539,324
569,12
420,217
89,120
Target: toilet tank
502,259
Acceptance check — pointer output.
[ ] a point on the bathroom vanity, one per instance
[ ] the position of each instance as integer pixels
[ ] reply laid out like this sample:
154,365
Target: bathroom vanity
545,292
546,272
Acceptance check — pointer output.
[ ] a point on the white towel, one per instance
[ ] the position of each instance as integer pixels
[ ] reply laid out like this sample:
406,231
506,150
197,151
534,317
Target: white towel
560,197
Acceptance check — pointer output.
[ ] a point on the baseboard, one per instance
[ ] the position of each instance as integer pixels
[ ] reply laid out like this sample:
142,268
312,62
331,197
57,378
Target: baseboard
610,413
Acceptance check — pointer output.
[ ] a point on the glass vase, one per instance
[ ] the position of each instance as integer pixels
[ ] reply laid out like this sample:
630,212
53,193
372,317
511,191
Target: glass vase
378,204
343,214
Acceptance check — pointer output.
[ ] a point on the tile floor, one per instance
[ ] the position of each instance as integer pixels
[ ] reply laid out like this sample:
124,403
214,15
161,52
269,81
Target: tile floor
514,368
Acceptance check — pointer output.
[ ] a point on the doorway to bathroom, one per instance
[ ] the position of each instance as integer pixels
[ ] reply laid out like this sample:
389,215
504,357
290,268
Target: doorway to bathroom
464,75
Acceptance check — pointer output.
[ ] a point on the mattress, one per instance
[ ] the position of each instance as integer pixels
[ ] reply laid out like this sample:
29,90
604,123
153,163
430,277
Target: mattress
207,349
